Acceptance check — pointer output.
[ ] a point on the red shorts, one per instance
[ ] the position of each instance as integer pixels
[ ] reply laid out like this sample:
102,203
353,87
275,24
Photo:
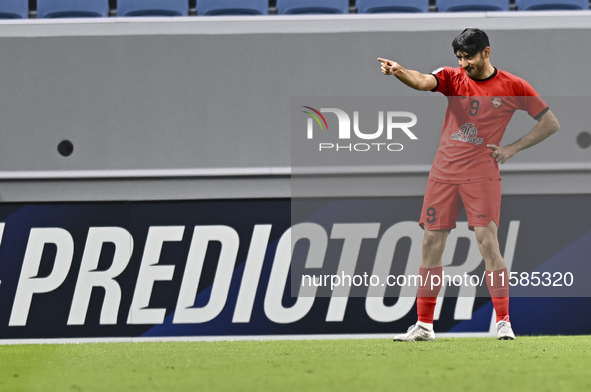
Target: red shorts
443,202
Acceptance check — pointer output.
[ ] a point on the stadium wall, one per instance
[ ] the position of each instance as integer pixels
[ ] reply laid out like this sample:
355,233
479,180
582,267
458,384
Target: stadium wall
179,123
204,104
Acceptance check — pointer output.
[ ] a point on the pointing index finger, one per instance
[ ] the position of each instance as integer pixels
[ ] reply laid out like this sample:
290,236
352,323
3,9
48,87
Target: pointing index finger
494,147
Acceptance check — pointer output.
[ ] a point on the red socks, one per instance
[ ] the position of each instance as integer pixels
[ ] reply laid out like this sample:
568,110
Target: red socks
497,282
498,286
427,296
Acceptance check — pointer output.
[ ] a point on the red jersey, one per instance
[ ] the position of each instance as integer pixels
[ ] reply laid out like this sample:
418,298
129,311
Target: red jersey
478,112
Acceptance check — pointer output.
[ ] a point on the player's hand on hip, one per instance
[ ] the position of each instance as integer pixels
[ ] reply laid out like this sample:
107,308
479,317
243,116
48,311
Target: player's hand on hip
389,67
501,154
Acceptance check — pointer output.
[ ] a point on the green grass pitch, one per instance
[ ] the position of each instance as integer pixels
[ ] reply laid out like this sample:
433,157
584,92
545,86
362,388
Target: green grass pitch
456,364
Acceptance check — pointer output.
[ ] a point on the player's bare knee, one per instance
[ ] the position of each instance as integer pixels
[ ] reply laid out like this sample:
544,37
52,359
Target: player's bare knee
485,244
434,242
489,248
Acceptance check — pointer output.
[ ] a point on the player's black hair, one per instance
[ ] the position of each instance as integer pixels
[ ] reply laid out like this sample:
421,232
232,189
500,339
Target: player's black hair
471,41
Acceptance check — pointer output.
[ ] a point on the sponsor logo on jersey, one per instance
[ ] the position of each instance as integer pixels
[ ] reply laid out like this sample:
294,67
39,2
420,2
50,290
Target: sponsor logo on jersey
467,134
497,102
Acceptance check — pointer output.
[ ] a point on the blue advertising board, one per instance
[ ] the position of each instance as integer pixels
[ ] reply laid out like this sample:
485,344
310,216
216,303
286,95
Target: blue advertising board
203,269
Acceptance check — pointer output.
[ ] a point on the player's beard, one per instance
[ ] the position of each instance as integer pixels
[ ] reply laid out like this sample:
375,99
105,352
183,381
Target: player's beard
474,71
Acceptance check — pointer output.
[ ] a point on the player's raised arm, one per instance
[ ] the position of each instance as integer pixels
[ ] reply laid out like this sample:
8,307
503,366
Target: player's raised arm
547,125
414,79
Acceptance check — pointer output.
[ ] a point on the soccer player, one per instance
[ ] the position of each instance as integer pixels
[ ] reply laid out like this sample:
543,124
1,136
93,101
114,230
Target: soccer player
465,171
